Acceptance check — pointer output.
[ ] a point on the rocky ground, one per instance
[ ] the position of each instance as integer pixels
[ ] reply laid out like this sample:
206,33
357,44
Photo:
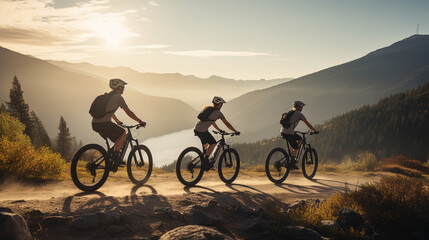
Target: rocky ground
236,211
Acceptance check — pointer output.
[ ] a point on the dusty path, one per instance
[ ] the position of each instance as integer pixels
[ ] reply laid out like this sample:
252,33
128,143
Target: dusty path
321,187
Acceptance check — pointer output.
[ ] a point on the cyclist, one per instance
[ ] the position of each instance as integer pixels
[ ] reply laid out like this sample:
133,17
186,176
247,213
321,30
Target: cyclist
289,134
106,128
202,129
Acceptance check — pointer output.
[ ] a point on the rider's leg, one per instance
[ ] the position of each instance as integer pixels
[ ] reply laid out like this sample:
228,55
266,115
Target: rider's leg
210,150
119,142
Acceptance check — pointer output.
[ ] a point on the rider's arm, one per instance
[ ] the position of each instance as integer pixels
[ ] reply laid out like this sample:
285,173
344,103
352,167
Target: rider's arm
133,116
228,125
116,119
309,125
215,126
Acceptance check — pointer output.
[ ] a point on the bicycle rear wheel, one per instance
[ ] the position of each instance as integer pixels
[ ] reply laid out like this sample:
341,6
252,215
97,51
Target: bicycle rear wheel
139,165
275,165
229,165
188,166
90,167
309,163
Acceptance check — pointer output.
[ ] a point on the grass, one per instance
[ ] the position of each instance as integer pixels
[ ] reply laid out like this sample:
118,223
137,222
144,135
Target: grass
395,205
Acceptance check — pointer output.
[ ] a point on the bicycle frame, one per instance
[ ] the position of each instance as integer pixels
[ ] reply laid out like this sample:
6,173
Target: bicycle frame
129,140
220,145
301,148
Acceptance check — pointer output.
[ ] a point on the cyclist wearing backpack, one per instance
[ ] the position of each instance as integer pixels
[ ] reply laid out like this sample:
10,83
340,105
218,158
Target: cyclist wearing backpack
106,108
208,117
289,122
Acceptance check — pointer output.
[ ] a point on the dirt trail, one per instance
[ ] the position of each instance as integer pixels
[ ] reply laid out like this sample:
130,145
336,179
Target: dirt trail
321,187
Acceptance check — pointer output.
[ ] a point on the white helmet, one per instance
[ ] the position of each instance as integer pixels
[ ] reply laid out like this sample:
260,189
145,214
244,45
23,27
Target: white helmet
116,82
218,100
298,104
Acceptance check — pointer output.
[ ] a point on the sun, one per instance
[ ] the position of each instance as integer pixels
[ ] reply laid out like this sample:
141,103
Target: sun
112,33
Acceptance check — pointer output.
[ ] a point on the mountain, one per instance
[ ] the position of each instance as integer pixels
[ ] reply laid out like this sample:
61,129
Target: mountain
195,91
396,125
327,93
52,91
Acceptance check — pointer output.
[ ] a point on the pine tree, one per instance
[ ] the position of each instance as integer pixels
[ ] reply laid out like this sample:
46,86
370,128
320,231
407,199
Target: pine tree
64,140
17,106
40,136
3,108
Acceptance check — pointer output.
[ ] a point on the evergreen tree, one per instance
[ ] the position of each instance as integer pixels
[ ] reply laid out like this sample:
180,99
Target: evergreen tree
64,140
40,136
2,108
17,106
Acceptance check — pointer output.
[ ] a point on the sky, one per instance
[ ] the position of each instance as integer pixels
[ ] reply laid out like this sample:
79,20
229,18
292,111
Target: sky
240,39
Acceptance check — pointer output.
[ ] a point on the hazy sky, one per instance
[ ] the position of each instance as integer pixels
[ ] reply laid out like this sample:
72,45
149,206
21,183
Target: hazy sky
241,39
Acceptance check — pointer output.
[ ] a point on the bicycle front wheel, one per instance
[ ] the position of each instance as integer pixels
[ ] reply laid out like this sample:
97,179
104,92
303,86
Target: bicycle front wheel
229,165
188,166
90,167
309,163
276,165
139,165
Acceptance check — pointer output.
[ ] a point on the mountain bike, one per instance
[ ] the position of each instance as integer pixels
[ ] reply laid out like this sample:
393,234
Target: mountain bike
278,163
91,164
189,169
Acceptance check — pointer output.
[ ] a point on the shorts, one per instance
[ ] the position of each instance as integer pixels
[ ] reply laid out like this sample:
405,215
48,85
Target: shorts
108,130
292,139
205,137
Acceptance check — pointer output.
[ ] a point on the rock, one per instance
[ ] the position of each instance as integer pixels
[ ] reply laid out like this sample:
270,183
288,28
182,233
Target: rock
330,224
298,233
199,215
194,232
55,220
5,209
113,229
111,217
348,218
13,226
84,222
255,224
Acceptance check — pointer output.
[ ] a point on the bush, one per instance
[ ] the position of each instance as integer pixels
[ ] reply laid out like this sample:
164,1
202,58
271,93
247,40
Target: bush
365,162
395,205
20,159
12,128
403,161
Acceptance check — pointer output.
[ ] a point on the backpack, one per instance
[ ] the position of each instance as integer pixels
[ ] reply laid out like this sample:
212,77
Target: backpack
205,113
99,105
285,120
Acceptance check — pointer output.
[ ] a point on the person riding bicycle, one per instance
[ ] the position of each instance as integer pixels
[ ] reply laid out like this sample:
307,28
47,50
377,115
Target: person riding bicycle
104,125
289,134
202,128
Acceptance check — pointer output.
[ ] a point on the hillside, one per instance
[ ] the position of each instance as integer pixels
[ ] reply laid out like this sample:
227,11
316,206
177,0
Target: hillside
396,125
195,91
52,92
327,93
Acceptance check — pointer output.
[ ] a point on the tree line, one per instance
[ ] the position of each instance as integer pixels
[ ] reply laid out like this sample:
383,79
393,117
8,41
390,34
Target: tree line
396,125
16,107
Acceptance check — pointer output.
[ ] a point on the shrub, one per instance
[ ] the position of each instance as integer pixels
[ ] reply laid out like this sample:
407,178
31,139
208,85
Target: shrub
12,128
403,161
365,162
20,159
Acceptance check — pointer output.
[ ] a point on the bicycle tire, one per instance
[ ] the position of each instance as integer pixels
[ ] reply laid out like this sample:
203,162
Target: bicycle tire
275,165
83,163
309,159
224,165
138,169
185,166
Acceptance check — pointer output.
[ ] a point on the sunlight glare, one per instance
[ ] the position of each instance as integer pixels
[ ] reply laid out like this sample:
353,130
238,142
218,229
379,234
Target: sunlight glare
112,33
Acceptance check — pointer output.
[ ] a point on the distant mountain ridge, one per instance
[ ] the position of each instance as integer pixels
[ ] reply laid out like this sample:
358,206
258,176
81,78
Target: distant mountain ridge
327,93
195,91
52,91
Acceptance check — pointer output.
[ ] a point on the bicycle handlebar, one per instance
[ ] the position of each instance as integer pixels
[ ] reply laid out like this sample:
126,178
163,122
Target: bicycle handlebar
225,133
137,126
307,132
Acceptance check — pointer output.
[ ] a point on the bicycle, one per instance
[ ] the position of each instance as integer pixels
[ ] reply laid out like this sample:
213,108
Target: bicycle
278,164
189,168
91,164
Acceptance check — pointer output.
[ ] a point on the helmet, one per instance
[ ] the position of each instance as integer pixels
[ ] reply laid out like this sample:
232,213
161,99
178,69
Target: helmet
116,82
217,100
298,104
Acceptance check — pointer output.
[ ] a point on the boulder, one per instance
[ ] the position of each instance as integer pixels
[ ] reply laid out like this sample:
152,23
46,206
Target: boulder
348,218
13,226
194,232
86,221
208,214
330,224
298,233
